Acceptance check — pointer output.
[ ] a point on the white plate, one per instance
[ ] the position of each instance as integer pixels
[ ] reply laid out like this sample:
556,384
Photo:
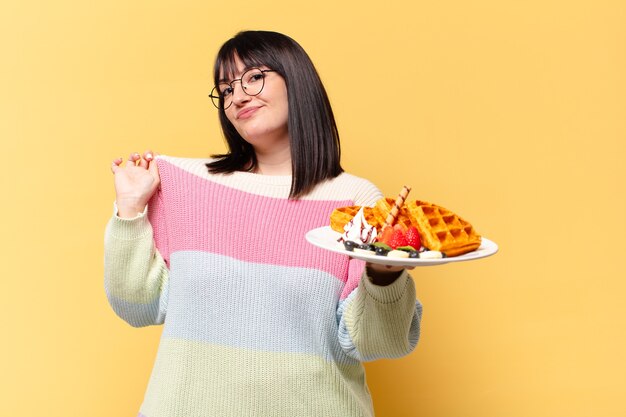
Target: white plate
326,238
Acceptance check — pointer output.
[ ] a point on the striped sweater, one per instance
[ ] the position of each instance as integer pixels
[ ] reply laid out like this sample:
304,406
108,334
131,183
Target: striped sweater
257,321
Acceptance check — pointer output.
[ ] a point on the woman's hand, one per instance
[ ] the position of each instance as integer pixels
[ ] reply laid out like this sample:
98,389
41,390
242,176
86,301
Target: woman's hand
135,183
384,274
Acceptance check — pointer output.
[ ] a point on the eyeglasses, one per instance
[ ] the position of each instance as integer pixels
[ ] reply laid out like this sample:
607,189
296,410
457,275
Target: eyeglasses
252,82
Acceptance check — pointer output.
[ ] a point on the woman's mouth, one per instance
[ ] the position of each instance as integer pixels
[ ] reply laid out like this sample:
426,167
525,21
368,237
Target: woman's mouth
247,112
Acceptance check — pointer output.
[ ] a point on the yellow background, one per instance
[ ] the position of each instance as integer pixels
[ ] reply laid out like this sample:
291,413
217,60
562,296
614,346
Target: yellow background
511,113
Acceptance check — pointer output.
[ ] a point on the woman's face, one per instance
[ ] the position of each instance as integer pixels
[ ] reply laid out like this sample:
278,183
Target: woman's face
262,119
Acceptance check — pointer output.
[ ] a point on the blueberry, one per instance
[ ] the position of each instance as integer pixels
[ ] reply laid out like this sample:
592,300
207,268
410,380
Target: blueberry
349,245
414,254
381,251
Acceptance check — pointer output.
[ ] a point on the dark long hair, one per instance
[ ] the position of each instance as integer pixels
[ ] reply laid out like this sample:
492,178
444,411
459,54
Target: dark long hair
314,139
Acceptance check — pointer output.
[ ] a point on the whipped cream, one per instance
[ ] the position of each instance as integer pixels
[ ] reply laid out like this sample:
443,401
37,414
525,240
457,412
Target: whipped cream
359,230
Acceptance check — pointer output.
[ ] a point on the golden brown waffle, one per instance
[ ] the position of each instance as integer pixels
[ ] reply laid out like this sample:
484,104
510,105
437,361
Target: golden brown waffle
341,216
375,216
442,230
383,208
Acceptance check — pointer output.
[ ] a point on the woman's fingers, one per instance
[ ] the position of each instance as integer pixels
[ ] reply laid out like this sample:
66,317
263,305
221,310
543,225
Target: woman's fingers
386,268
135,159
116,164
143,163
147,158
154,170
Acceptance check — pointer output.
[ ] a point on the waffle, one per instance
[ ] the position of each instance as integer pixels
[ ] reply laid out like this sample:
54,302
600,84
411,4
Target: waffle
375,216
383,208
442,230
341,216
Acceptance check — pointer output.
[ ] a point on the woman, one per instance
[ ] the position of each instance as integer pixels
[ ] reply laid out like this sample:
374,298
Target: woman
257,322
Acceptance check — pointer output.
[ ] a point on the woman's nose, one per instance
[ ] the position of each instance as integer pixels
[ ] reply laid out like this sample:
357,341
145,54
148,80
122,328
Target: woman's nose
239,96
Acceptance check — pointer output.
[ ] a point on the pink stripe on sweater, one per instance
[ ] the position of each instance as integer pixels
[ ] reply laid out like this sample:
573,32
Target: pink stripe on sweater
205,216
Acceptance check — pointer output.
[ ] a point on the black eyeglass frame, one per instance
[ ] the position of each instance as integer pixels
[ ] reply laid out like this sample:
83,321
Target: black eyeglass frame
218,97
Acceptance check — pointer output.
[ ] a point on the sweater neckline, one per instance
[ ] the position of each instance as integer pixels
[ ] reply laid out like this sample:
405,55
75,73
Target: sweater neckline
276,180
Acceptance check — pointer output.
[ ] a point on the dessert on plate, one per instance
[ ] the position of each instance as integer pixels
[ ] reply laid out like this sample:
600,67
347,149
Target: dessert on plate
407,229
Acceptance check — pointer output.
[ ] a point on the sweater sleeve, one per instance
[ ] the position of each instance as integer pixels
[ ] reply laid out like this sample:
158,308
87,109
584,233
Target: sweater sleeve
377,321
135,272
366,193
380,321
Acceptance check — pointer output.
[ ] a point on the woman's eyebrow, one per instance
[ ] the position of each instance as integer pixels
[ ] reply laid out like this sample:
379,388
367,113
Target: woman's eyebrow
246,68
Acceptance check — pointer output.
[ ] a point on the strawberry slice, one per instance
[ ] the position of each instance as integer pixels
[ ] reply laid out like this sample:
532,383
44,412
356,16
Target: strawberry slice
413,237
398,238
